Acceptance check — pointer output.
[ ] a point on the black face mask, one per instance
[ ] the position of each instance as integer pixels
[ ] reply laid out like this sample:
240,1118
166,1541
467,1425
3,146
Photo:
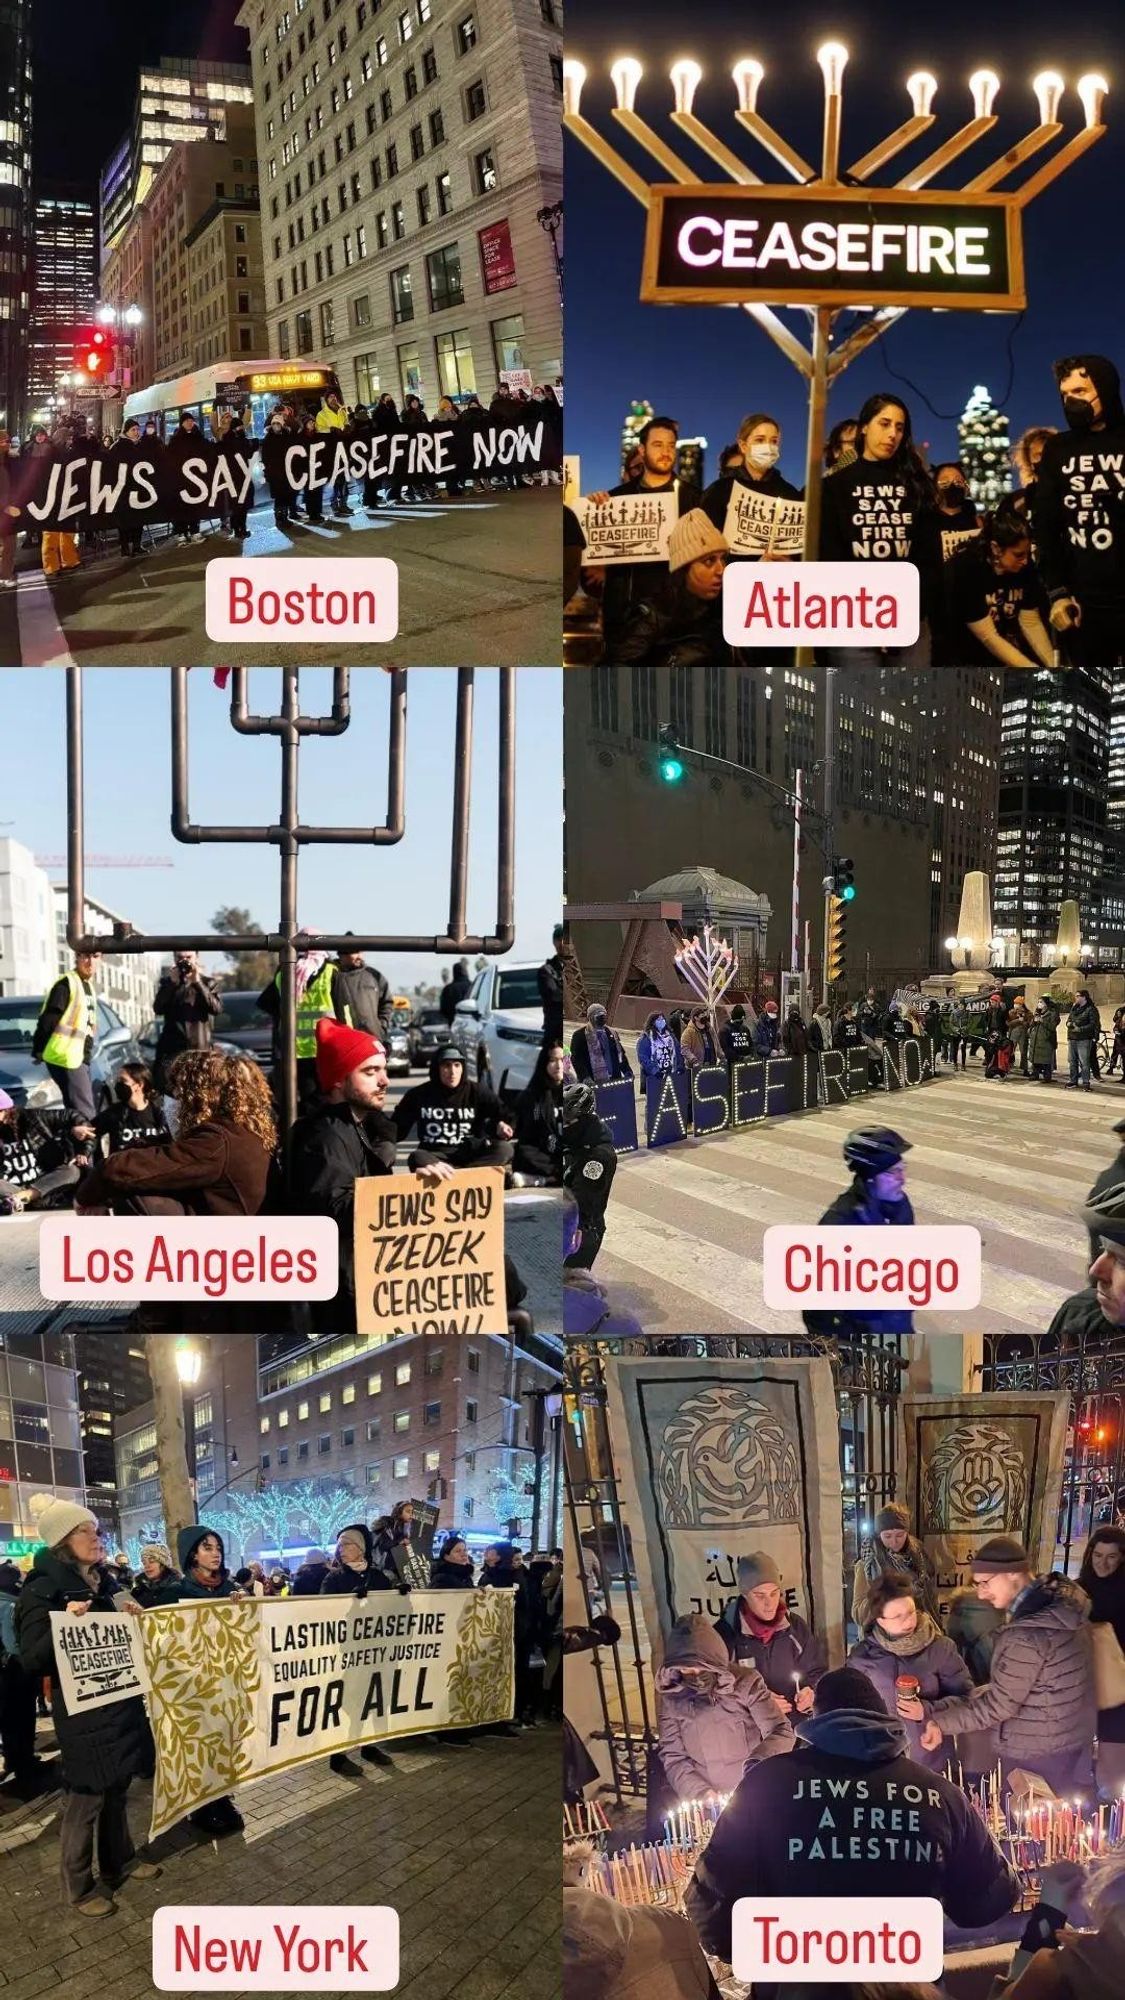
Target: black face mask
121,1091
1079,415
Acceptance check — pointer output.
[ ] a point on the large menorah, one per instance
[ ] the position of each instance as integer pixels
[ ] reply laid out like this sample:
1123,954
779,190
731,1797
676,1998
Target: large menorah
289,834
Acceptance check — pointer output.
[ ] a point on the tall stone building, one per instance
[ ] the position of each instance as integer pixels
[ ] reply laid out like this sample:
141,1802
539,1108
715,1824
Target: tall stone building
957,711
177,103
1052,828
406,151
65,288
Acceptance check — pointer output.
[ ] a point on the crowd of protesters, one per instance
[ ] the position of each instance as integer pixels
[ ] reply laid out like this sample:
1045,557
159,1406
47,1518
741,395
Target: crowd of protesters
24,463
1039,578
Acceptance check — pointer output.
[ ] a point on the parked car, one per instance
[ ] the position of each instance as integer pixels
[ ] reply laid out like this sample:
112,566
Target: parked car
28,1083
427,1033
398,1052
499,1026
241,1029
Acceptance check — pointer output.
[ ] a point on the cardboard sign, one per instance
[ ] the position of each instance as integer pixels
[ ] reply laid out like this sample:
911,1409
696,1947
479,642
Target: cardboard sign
628,527
430,1260
99,1658
759,524
617,1108
412,1559
517,378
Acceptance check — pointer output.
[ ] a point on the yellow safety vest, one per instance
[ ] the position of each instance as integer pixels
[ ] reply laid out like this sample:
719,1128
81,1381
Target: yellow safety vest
67,1046
316,1002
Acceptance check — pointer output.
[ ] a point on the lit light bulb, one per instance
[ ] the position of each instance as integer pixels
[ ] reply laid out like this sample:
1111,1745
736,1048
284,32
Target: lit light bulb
574,76
625,74
1048,87
966,944
984,84
1091,91
747,76
832,57
106,314
133,315
922,87
686,78
951,944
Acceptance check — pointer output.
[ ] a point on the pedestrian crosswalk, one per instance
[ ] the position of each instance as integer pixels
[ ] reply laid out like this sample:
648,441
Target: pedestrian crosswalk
683,1246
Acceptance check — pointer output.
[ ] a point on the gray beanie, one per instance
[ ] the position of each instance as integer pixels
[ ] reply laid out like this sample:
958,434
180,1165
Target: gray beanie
757,1568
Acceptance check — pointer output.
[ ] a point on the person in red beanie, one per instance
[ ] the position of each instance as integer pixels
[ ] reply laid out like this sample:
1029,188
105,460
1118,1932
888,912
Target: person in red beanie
348,1137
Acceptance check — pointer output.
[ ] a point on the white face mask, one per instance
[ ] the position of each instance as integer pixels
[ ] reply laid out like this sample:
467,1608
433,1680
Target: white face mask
763,454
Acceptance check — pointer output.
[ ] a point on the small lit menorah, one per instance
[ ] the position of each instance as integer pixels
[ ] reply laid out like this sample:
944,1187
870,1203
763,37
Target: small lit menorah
708,964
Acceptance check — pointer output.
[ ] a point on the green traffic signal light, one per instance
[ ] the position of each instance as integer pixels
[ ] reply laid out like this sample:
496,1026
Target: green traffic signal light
671,770
847,893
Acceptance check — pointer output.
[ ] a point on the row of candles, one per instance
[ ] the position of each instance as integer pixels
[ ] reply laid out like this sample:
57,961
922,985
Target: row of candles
1034,1833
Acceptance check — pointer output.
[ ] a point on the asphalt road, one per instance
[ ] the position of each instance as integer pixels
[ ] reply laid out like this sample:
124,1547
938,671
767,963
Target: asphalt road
479,585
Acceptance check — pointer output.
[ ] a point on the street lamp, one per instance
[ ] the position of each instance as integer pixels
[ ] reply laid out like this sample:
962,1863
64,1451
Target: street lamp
189,1363
550,220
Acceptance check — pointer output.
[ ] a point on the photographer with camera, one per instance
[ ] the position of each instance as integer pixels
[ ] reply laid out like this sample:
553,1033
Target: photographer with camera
187,1002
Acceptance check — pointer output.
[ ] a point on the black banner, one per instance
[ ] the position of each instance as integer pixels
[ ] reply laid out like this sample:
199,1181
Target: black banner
714,1099
617,1109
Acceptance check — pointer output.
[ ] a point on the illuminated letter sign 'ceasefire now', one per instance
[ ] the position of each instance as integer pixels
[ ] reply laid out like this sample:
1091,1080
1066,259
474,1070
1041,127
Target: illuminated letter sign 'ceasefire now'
850,246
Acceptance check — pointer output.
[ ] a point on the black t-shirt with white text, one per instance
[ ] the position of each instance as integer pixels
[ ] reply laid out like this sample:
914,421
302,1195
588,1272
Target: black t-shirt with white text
122,1125
29,1150
975,592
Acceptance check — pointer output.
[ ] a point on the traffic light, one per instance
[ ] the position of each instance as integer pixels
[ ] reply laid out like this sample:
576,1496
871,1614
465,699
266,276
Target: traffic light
835,939
843,878
93,353
671,763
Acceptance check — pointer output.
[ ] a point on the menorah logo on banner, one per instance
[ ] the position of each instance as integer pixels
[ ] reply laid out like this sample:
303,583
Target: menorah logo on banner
717,1097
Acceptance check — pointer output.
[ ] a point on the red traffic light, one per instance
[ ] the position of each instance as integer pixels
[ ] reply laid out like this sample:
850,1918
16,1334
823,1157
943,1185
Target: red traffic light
94,362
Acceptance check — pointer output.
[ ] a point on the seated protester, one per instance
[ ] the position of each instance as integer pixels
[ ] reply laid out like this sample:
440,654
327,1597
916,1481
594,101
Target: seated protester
347,1138
903,1646
589,1165
136,1117
205,1574
596,1050
697,1042
893,1551
538,1117
658,1051
459,1124
774,1839
354,1574
716,1716
38,1162
679,622
758,1630
158,1581
311,1574
453,1568
736,1037
221,1159
995,604
759,444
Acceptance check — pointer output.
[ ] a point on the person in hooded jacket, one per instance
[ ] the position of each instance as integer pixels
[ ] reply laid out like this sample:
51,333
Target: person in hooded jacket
596,1050
459,1124
758,1630
538,1117
876,1197
274,446
1102,1577
767,1033
1040,1699
237,450
453,1568
882,509
126,450
311,1573
893,1551
901,1642
698,1044
794,1034
589,1165
736,1037
354,1574
1079,515
158,1581
830,1819
615,1951
716,1715
101,1750
204,1574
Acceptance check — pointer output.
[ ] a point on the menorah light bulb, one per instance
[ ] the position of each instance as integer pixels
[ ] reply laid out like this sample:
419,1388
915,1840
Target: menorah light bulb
922,87
748,76
686,78
966,944
1091,91
984,84
1048,87
574,76
832,57
625,74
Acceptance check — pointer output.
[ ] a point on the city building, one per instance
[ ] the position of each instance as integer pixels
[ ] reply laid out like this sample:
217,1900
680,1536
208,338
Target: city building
177,101
112,1378
126,981
29,951
64,291
625,828
127,284
226,289
1052,822
985,451
220,1431
15,208
194,300
40,1436
958,711
406,155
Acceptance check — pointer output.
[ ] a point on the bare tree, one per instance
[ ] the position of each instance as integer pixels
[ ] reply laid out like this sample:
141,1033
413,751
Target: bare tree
176,1497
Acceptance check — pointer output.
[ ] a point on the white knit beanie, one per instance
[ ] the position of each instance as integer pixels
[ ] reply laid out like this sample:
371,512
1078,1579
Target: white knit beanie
58,1519
693,536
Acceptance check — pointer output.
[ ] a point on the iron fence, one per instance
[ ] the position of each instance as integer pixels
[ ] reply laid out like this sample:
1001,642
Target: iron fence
1088,1365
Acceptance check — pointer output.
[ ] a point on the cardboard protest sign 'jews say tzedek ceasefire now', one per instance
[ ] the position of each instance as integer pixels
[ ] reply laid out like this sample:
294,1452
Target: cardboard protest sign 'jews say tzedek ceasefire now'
430,1259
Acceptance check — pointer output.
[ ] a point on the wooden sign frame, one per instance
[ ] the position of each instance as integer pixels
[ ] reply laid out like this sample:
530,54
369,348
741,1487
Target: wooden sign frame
867,291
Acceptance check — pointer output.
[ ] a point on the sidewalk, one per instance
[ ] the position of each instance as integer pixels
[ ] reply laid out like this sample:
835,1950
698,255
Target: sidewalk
463,1843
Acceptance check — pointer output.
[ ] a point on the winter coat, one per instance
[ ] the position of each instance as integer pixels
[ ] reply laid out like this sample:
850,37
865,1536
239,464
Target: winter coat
767,1034
697,1046
972,1625
187,1541
1083,1023
367,994
612,1951
309,1579
217,1170
937,1665
1042,1041
911,1563
790,1649
1040,1698
795,1037
452,993
103,1746
539,1133
774,1838
617,1062
671,628
182,445
451,1576
345,1582
164,1589
708,1740
659,1055
187,1007
330,1151
858,1208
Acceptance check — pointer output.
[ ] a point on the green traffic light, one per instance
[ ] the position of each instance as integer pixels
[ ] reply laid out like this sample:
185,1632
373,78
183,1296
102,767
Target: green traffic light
847,893
671,770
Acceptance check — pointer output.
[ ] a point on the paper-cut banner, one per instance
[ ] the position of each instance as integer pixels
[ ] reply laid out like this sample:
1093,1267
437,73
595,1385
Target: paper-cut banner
628,527
759,524
98,1658
953,539
430,1260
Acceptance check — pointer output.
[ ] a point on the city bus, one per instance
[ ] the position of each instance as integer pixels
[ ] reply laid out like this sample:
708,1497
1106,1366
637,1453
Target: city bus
250,387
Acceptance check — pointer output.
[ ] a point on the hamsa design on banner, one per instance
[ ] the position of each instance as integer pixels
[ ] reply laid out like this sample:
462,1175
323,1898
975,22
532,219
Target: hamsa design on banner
975,1480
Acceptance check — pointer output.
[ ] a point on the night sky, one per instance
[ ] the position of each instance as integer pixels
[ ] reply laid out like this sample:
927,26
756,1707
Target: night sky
710,366
87,55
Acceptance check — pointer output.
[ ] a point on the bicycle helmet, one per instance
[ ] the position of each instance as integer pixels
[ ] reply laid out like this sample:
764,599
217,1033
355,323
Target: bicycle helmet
873,1148
579,1099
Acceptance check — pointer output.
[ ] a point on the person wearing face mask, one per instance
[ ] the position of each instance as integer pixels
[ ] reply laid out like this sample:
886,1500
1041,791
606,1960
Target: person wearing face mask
596,1050
759,441
882,509
958,513
876,1197
736,1038
994,601
622,584
136,1117
681,623
658,1051
767,1034
1080,513
697,1043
